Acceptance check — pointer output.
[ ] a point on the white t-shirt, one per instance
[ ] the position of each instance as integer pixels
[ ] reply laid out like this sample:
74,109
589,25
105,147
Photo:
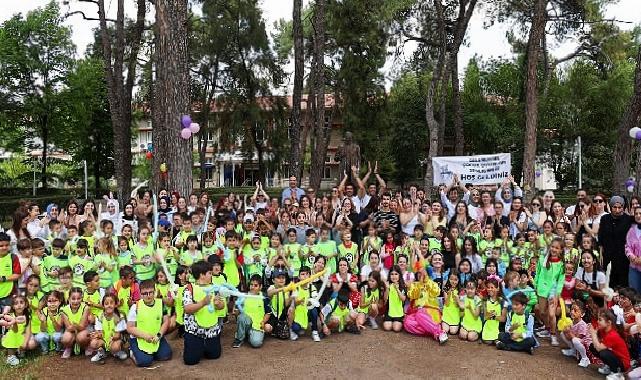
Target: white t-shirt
366,270
120,327
587,277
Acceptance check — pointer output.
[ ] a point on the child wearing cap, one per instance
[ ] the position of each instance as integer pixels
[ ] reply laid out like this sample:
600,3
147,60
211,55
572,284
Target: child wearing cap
279,297
339,315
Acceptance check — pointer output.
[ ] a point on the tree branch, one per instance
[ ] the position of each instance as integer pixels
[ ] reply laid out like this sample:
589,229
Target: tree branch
69,14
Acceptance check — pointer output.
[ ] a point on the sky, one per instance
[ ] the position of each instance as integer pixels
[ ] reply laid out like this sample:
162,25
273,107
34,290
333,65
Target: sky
480,41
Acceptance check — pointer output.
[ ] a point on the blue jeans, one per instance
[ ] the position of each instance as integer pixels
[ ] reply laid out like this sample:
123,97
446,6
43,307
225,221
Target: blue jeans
196,348
313,319
244,330
45,341
634,279
144,359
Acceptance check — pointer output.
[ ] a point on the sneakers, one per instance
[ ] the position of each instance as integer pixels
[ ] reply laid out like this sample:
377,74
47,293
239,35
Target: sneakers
501,346
554,341
66,354
315,336
615,376
292,335
353,329
13,360
531,351
121,355
99,357
237,344
543,334
442,337
372,321
584,363
89,352
571,352
605,370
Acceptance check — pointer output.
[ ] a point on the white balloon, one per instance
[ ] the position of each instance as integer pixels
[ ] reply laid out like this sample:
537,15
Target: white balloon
194,127
633,132
630,189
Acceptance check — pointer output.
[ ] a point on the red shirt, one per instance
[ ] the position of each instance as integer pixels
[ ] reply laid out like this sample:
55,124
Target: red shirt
613,341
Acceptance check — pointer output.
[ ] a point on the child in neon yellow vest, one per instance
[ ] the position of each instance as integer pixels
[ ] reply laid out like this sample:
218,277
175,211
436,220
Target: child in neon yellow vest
93,295
519,328
143,260
230,258
326,247
252,322
81,263
51,266
109,327
147,326
75,316
293,252
349,250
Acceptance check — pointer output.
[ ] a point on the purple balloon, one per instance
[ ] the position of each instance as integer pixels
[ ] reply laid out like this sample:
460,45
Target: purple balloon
638,135
186,121
185,133
537,173
629,182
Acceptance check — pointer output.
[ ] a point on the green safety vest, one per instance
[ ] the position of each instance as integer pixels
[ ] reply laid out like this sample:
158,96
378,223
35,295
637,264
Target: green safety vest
204,317
76,317
6,269
254,308
148,320
147,270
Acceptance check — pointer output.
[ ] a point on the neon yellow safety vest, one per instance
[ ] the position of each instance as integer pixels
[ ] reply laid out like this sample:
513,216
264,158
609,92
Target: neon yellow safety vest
300,312
76,317
204,317
395,303
148,320
520,319
254,308
6,269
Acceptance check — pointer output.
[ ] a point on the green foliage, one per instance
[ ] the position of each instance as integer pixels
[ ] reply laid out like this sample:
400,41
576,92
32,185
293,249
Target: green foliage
15,171
406,118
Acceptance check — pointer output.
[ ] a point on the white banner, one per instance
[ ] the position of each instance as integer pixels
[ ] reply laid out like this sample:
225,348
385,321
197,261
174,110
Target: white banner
478,170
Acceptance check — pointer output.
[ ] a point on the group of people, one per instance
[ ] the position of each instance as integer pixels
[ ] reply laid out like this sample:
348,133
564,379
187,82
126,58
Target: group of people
473,262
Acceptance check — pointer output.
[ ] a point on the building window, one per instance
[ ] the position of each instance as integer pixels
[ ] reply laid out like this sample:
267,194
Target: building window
327,172
328,159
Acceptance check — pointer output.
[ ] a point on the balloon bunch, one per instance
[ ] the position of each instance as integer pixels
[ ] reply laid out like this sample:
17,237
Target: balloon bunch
188,128
163,171
629,184
150,151
635,133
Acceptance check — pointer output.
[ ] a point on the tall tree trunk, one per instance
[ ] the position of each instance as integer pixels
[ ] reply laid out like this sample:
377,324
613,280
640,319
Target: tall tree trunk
321,133
622,149
442,103
466,10
119,88
537,30
457,107
45,142
299,67
205,127
432,124
172,98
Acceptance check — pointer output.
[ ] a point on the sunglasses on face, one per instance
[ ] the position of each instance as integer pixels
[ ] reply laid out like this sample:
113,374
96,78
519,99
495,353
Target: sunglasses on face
536,204
147,293
599,201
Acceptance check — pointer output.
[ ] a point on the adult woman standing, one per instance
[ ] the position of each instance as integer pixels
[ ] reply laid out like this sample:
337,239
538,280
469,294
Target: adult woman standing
70,217
409,216
18,230
536,217
517,217
633,251
597,211
461,217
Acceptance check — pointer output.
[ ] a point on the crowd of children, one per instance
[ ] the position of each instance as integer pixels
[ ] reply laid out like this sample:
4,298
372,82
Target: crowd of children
109,287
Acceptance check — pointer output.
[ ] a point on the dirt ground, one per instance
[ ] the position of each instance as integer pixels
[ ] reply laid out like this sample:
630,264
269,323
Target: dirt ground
371,355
